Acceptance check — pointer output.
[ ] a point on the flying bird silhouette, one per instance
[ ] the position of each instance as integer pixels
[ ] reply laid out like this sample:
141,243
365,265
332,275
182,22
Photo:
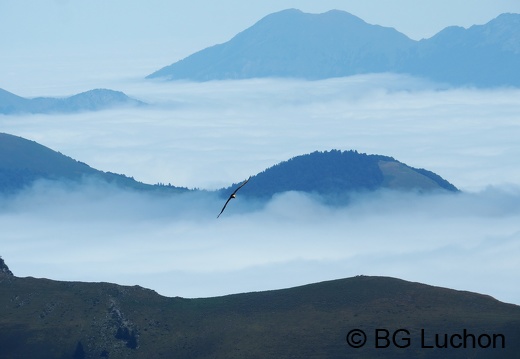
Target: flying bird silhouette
233,195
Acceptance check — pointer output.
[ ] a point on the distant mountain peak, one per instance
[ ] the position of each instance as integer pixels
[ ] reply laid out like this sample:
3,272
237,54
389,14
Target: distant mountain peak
325,15
504,31
92,100
509,17
102,92
294,44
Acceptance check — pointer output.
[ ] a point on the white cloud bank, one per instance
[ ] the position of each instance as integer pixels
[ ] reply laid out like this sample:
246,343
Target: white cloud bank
176,246
213,134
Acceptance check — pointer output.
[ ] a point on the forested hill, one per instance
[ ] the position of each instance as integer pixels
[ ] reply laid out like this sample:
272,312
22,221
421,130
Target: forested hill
338,172
22,162
330,173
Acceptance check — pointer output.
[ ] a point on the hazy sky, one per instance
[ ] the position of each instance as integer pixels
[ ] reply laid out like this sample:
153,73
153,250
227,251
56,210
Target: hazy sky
213,134
96,39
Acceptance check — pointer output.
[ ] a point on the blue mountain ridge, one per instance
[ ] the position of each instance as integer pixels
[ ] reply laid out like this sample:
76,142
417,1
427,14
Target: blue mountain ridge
294,44
330,174
93,100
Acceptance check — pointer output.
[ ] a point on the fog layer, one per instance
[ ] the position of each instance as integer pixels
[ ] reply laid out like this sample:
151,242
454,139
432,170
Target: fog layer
213,134
175,244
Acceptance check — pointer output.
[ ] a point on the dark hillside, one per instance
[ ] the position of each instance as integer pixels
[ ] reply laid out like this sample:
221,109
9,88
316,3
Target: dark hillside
40,318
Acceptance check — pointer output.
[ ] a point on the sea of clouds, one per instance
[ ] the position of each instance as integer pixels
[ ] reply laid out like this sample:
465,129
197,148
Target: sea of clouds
209,135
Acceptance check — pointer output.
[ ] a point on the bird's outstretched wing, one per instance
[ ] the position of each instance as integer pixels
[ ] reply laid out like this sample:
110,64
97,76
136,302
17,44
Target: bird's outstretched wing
225,204
242,185
233,195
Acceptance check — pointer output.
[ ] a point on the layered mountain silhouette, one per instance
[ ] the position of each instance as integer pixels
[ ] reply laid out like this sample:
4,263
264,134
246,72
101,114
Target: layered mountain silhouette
41,318
294,44
329,173
93,100
22,162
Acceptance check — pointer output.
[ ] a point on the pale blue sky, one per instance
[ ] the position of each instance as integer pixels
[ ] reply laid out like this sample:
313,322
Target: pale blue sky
35,20
60,47
172,30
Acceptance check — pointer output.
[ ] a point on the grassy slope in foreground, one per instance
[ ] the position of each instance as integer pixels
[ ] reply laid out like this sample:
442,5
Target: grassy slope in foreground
41,318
